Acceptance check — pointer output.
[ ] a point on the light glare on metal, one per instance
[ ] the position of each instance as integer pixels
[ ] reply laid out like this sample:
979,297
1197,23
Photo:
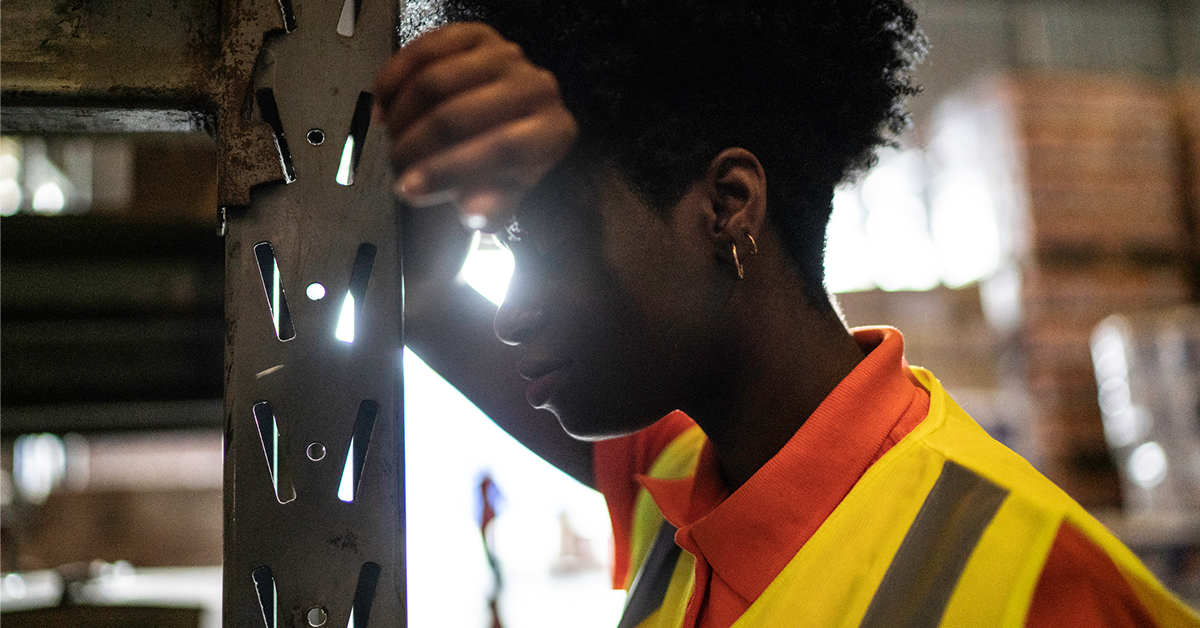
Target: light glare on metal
346,486
345,174
345,326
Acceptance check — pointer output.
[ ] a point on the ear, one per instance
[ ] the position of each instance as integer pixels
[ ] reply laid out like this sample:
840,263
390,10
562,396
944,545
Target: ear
737,187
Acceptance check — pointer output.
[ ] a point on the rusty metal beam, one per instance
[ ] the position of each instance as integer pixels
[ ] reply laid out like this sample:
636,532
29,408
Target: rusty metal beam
34,119
100,66
131,54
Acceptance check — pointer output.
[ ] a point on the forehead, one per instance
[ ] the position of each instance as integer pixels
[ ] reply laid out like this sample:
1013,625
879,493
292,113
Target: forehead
567,193
588,200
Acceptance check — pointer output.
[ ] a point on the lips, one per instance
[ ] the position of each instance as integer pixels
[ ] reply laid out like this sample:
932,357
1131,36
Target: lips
543,376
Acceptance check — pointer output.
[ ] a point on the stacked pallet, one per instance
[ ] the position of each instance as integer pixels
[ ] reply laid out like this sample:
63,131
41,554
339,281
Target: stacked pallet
1105,235
1101,166
1187,110
1094,223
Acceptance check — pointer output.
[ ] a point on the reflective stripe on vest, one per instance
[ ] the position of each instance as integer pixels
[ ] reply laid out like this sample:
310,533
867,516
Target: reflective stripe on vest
922,576
650,586
948,528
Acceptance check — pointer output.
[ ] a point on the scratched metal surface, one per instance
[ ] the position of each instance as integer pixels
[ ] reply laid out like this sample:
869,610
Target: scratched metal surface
317,547
121,53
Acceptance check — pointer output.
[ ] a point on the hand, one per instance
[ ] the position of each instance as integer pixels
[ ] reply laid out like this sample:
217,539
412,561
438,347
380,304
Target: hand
471,121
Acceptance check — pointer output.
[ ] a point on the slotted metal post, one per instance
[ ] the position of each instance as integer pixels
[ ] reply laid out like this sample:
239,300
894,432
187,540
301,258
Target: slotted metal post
313,389
314,480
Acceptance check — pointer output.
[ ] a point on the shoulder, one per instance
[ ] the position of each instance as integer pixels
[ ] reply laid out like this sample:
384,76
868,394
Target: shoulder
1080,585
1079,574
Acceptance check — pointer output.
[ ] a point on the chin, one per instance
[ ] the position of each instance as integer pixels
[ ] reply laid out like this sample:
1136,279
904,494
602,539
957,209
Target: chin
587,426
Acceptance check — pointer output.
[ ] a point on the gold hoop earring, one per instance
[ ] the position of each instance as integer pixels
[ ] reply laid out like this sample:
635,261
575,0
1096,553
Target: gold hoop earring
753,244
741,272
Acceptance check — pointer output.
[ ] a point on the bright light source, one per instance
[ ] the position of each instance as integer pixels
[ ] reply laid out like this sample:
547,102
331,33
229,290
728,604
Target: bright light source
963,222
345,326
847,269
39,465
345,175
488,271
898,243
315,291
1124,422
882,234
14,586
346,487
10,197
49,199
896,174
1148,464
9,166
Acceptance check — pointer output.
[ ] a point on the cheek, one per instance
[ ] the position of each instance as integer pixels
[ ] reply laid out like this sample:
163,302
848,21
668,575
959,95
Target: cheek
637,348
668,298
614,387
667,270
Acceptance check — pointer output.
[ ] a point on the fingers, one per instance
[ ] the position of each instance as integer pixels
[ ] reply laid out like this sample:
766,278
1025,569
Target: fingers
429,47
472,121
518,153
490,174
441,80
466,115
485,209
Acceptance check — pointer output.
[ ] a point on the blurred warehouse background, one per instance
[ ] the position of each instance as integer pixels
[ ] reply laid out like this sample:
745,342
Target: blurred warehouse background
1036,238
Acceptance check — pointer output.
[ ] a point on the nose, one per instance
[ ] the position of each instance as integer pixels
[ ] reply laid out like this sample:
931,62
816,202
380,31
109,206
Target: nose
518,320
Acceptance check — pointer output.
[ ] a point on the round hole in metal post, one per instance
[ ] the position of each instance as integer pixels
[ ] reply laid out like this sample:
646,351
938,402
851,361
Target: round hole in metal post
315,291
316,137
316,452
316,616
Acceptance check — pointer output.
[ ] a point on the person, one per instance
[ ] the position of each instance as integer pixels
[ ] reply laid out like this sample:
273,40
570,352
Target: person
487,499
663,173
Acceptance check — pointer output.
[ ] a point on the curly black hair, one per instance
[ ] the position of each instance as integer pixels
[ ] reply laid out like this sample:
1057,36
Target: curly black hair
660,87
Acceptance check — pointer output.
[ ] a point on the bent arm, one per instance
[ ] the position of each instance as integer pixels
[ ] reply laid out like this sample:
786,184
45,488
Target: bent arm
471,120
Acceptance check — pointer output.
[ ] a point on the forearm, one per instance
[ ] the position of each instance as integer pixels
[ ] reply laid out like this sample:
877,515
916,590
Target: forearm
472,120
451,330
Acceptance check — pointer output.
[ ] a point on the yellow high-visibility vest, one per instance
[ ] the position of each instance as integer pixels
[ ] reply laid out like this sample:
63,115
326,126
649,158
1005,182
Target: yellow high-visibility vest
948,528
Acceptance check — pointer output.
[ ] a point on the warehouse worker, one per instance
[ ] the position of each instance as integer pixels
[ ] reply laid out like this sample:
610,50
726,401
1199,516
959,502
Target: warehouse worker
663,173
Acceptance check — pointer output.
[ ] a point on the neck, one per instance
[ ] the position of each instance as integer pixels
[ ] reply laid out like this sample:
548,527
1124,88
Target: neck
787,359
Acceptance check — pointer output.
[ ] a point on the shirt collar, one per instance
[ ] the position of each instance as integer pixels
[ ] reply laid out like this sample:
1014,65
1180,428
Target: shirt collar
750,535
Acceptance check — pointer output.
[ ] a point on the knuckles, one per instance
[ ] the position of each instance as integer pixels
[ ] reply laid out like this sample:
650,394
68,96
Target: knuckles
417,81
543,81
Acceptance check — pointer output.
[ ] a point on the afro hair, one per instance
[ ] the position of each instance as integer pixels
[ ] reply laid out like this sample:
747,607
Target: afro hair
660,87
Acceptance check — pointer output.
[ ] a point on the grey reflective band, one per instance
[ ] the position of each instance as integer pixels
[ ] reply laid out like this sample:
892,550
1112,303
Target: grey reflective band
650,586
925,570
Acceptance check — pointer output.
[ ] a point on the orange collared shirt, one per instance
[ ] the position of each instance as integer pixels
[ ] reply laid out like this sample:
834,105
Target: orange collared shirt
742,540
